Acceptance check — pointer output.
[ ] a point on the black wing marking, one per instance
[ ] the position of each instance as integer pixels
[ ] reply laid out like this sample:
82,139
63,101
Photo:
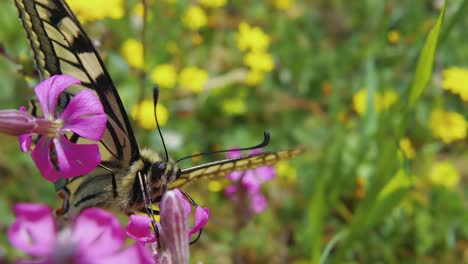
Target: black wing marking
61,46
222,167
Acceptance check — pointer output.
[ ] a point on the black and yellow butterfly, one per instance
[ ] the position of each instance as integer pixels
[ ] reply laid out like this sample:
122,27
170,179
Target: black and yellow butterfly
61,46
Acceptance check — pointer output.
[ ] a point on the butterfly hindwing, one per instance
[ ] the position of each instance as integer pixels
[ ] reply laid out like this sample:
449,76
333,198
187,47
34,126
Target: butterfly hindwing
221,168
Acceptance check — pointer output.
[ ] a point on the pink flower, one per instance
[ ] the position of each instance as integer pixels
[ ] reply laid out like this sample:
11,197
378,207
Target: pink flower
55,155
96,237
174,232
139,228
249,182
201,214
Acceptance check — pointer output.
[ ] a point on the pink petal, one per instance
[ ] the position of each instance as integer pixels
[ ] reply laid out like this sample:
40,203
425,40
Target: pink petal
136,254
99,233
201,218
265,173
75,159
33,230
25,142
250,182
139,228
41,157
187,206
231,189
40,261
235,175
234,153
49,90
255,151
85,116
258,203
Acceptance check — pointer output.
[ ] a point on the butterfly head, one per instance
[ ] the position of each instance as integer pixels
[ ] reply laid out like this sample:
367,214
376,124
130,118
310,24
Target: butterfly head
165,171
155,174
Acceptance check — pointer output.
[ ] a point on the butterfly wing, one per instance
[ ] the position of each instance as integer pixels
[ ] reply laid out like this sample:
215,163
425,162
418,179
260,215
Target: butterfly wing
221,168
61,46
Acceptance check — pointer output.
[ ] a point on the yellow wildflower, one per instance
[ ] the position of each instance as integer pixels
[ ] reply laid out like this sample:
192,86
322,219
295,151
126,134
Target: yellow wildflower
218,185
195,17
212,3
283,4
385,100
382,101
164,75
193,78
407,148
138,11
448,126
400,181
90,10
286,171
444,174
143,114
254,77
234,106
259,60
251,38
393,37
455,80
215,186
360,101
132,51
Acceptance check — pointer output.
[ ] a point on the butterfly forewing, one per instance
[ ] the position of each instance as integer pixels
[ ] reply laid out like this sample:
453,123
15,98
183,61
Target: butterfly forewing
61,46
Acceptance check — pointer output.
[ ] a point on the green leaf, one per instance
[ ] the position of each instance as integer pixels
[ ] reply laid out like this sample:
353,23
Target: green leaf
426,61
385,205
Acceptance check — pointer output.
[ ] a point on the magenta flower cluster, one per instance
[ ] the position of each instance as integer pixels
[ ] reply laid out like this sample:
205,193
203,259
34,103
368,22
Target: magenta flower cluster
96,237
248,183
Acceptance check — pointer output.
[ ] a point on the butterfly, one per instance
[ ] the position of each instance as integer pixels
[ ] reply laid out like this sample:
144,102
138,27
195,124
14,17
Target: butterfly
127,175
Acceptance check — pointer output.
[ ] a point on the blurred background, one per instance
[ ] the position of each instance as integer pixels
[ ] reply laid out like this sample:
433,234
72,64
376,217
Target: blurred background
380,182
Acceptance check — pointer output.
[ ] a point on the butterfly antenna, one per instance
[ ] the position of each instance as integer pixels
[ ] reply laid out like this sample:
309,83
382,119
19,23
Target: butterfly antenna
266,141
198,237
190,199
155,100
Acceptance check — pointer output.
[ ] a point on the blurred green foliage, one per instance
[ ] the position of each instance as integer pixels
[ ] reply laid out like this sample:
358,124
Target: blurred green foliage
355,196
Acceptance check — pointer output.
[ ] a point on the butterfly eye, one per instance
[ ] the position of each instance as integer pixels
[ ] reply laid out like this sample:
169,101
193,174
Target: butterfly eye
157,170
